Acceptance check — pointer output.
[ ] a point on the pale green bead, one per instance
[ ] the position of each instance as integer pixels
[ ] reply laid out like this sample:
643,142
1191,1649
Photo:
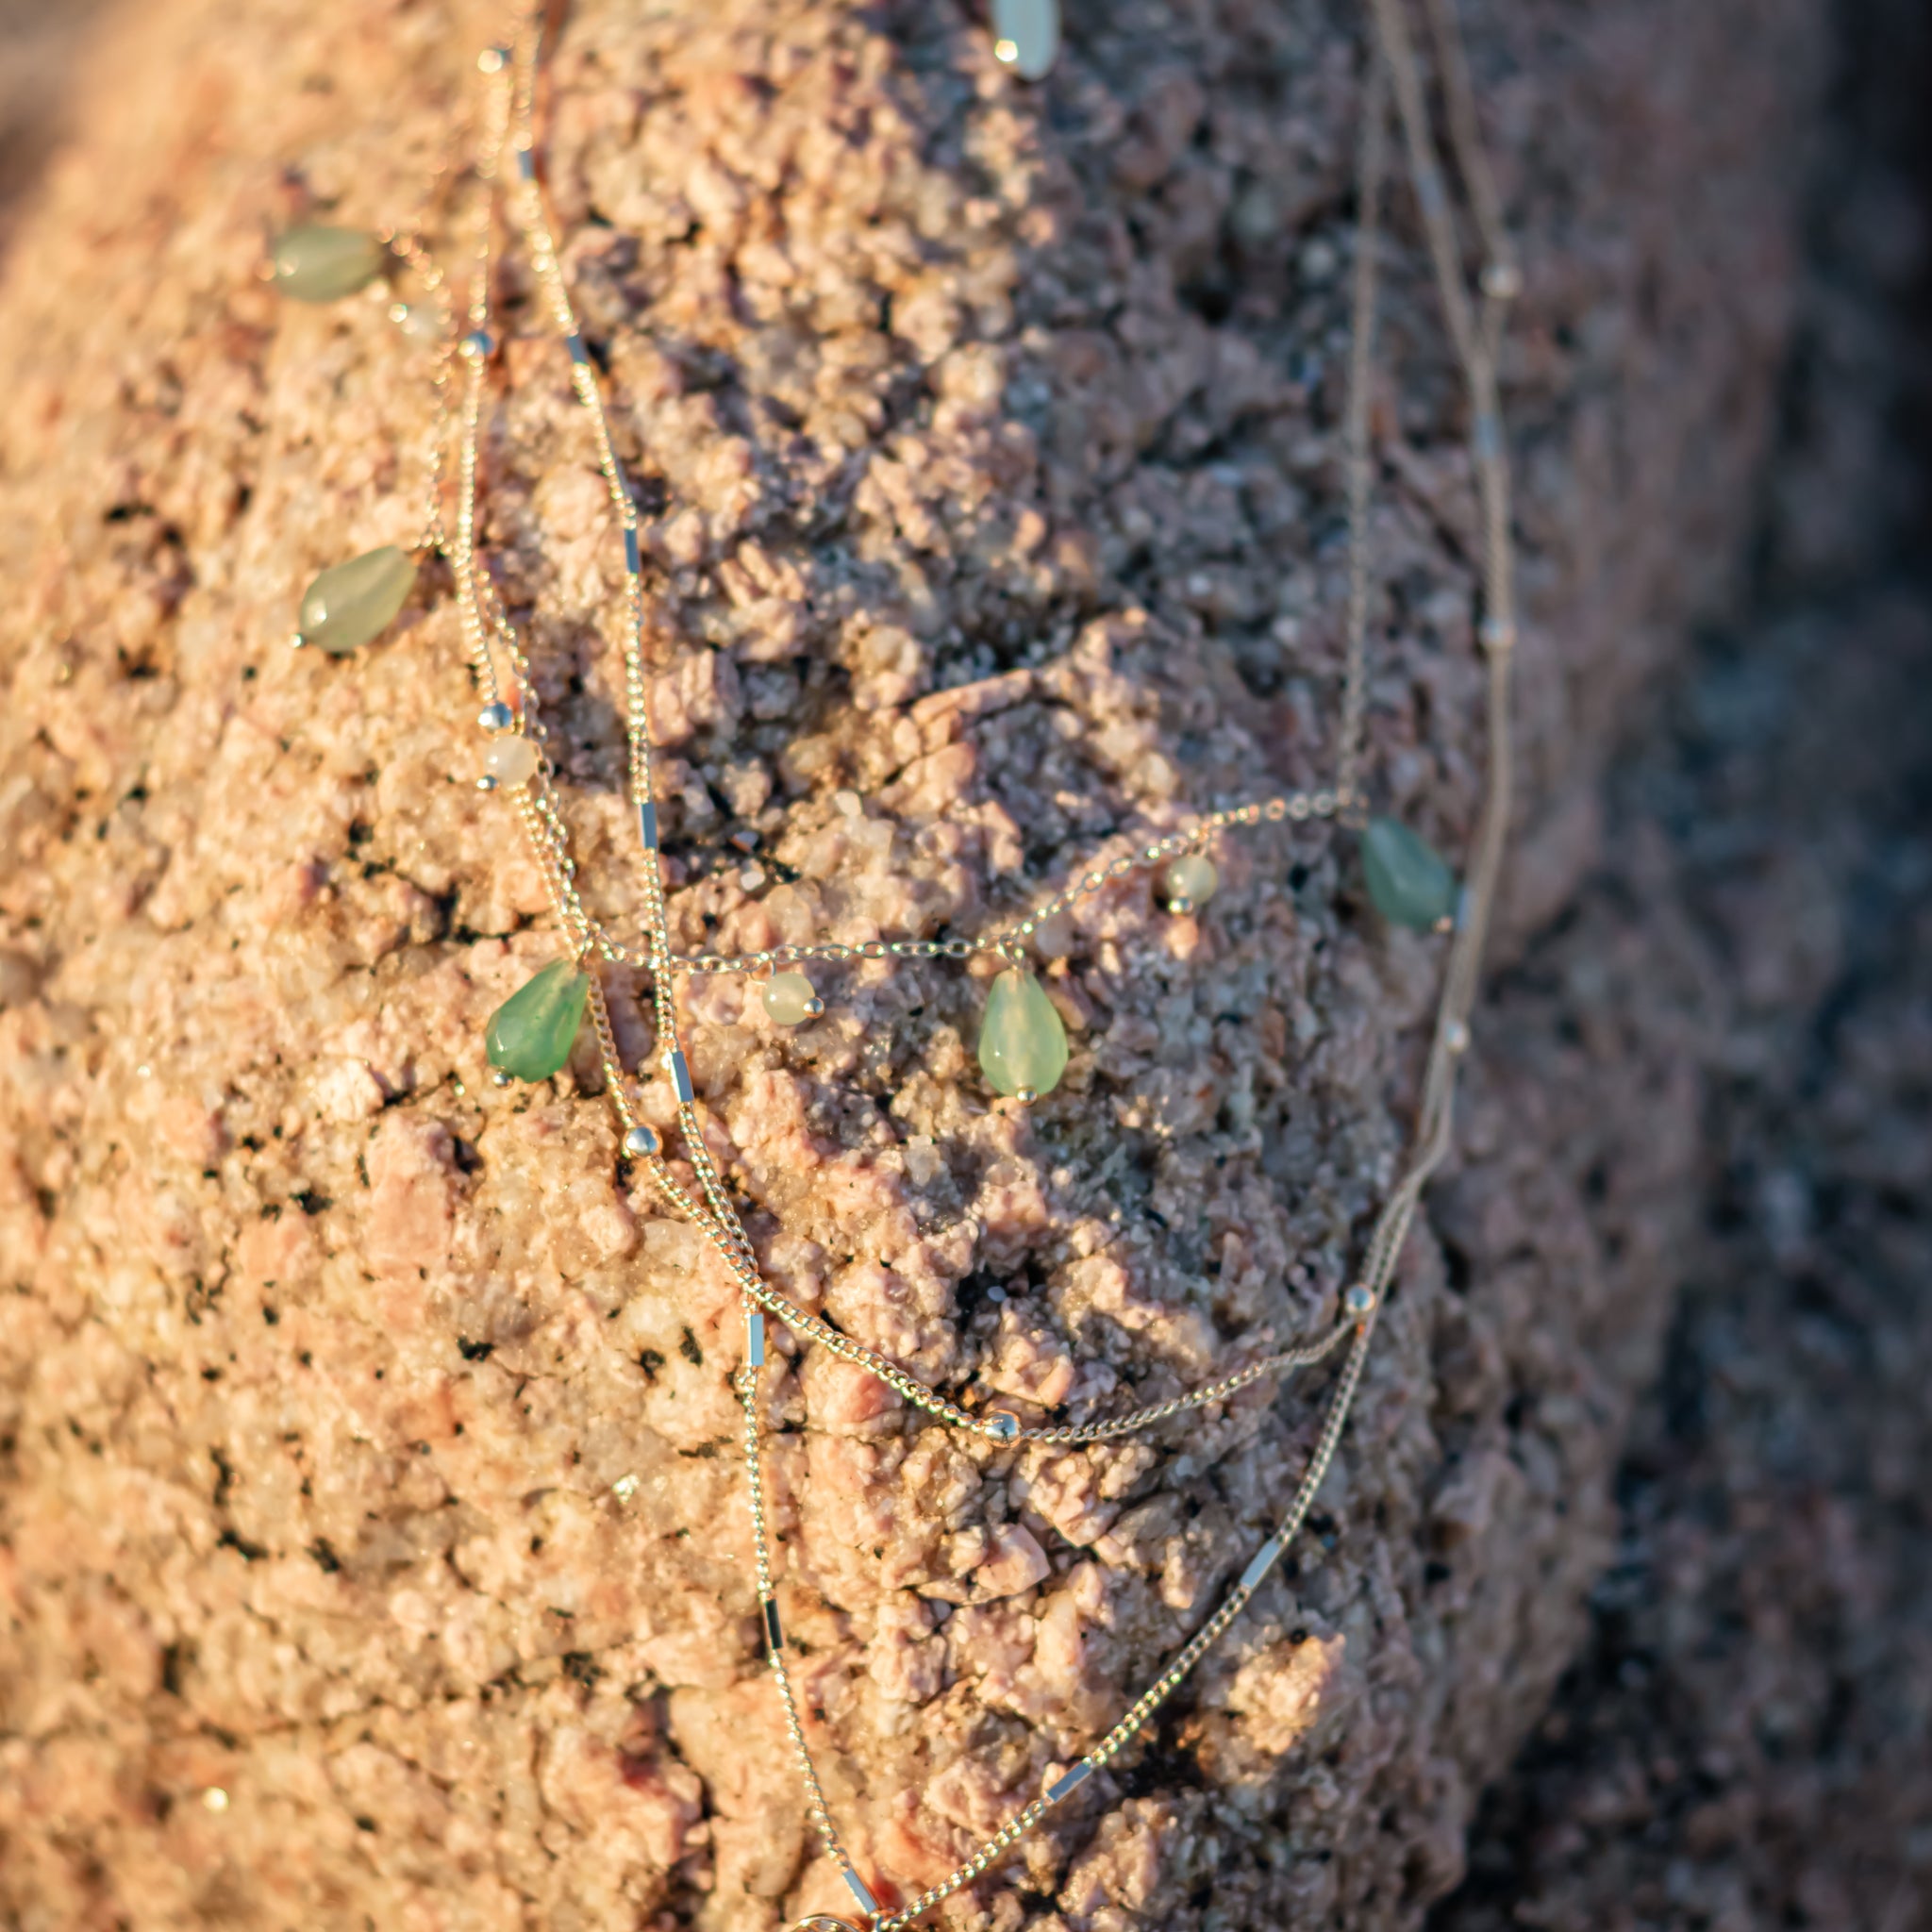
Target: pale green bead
531,1034
1190,881
1023,1042
511,761
1027,35
320,263
789,998
350,603
1409,883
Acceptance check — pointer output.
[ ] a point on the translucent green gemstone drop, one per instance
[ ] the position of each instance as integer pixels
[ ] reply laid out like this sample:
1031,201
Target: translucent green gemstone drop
531,1034
319,263
1026,36
350,603
1409,883
1023,1045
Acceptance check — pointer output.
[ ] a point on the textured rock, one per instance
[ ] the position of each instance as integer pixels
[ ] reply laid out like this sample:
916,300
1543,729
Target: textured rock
367,1446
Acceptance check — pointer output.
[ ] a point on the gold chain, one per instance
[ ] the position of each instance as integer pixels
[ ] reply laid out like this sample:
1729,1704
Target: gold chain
506,128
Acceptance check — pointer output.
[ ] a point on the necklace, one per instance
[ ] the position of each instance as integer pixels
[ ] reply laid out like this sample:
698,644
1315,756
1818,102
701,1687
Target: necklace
1023,1047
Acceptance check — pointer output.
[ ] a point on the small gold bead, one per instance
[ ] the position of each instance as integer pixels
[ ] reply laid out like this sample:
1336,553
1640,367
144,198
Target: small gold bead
512,760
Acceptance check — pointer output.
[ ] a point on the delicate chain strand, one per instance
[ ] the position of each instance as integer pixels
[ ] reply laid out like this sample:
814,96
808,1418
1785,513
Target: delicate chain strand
509,121
1361,361
1435,1127
1499,281
1135,1719
1006,941
773,1631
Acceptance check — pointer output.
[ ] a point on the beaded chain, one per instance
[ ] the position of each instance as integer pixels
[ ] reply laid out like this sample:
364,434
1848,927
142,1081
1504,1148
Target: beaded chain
531,1036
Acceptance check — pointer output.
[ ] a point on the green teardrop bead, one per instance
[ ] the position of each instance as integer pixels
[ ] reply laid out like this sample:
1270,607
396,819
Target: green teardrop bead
1023,1044
1027,35
1409,882
531,1034
350,603
319,263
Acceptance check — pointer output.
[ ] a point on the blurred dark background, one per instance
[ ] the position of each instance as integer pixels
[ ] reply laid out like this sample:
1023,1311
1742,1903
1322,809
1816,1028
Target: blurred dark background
1746,1739
1745,1742
39,40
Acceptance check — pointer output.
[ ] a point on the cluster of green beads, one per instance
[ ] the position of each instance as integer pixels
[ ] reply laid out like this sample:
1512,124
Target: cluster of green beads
1022,1040
349,603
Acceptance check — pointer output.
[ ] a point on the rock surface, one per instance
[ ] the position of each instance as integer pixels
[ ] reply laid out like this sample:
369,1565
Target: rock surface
365,1447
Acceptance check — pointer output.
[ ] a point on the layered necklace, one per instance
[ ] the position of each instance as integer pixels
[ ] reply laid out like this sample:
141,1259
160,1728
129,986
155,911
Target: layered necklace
1023,1045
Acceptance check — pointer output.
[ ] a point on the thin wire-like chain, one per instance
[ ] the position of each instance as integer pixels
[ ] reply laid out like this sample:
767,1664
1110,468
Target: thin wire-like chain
768,1605
1475,343
411,245
1008,941
486,624
1303,1356
1371,161
1134,1718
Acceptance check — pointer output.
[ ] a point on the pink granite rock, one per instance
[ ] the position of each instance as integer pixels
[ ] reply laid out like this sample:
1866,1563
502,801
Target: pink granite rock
367,1454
